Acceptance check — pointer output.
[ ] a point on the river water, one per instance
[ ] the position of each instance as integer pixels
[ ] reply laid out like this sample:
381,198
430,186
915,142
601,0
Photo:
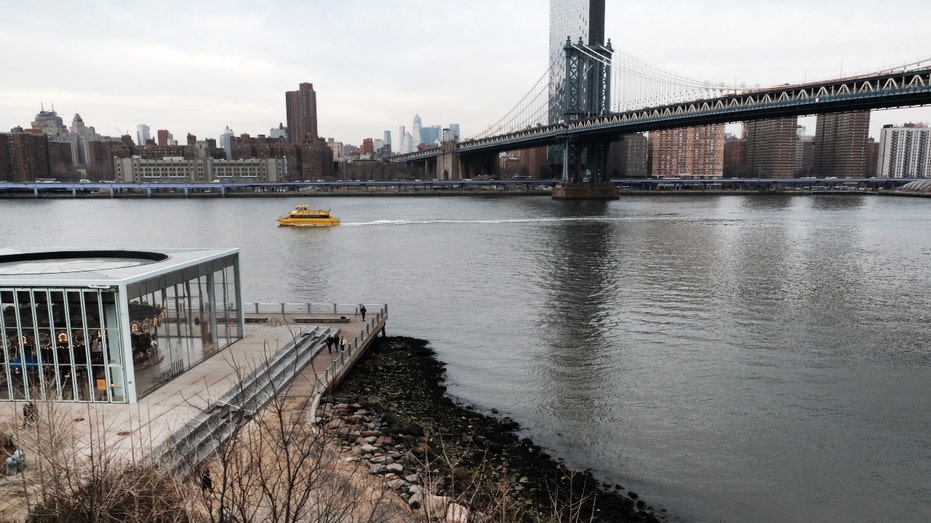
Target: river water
729,358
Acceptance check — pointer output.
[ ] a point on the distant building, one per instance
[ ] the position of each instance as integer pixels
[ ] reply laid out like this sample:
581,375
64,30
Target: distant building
226,142
387,138
80,135
61,164
872,157
399,147
336,149
688,151
454,130
278,133
771,147
301,106
163,138
627,158
904,152
524,163
51,125
807,152
199,170
24,156
735,156
416,131
407,143
431,135
307,161
368,147
840,145
142,134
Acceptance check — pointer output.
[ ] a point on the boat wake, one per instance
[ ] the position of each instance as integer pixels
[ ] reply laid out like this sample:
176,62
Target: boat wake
513,220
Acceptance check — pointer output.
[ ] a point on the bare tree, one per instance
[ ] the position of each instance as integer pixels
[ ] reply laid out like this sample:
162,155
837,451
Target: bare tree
275,465
272,465
79,472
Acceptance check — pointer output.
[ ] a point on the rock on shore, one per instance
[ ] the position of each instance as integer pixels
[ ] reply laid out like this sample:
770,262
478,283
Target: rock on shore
446,459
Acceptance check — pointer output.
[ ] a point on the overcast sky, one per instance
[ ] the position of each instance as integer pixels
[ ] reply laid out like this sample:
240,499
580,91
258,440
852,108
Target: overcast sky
200,66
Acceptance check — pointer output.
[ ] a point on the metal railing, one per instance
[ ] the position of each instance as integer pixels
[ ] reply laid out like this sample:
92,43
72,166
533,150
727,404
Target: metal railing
302,308
348,355
190,448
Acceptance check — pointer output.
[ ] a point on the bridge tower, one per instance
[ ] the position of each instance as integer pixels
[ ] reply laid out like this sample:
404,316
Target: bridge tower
447,162
587,93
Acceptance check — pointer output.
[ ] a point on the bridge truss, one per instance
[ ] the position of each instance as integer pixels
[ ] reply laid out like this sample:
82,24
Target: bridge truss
594,114
635,86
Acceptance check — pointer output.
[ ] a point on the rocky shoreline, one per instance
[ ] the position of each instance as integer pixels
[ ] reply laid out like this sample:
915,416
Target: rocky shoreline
392,412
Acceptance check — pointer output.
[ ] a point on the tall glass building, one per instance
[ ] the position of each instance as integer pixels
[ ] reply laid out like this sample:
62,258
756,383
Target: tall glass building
573,20
112,326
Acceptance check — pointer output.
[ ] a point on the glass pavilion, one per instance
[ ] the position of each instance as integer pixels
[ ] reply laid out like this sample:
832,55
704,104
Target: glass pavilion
111,326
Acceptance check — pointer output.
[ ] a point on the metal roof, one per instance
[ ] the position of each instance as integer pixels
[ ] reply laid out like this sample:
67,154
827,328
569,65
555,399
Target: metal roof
98,268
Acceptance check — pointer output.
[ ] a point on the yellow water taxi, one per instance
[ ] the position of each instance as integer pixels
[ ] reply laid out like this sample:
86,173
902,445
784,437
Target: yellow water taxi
304,216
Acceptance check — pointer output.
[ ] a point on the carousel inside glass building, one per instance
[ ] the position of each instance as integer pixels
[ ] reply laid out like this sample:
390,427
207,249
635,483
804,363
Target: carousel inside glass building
112,326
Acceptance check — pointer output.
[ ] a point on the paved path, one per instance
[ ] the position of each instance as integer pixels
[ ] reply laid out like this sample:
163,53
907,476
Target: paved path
164,411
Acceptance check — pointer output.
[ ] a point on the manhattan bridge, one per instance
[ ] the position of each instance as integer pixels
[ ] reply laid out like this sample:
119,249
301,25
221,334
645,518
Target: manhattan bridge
607,94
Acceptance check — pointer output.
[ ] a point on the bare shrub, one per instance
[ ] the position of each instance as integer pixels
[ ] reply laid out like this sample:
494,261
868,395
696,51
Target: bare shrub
277,466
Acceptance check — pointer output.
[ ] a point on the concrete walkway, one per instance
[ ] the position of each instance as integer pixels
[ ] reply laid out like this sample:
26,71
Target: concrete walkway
161,414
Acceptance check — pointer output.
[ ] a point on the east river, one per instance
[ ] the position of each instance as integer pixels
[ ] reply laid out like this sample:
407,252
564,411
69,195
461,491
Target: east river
735,358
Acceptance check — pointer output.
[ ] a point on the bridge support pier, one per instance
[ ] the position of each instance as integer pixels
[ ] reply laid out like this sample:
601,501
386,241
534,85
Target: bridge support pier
584,172
586,191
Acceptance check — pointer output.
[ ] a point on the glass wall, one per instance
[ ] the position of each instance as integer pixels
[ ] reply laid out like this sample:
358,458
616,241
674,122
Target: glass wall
179,319
61,344
98,345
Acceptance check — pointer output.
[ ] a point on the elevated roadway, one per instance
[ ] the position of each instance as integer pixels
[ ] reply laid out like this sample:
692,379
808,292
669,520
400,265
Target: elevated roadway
883,90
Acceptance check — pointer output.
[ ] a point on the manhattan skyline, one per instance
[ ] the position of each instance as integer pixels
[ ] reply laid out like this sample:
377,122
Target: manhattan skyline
203,67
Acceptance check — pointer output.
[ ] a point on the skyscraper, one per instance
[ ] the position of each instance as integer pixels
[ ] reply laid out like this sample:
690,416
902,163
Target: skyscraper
302,114
687,151
415,130
573,20
771,148
142,134
905,152
401,147
51,124
163,138
840,146
226,142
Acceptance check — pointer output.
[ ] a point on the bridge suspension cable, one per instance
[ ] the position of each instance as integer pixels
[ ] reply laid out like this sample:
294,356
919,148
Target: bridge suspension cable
530,111
635,84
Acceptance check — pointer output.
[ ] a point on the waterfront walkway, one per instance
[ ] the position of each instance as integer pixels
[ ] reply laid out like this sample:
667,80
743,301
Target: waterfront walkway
280,349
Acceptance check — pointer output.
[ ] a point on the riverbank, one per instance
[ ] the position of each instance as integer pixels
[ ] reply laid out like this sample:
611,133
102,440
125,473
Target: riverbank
396,393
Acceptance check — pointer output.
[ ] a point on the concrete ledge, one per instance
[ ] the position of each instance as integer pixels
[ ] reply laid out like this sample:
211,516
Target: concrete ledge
586,191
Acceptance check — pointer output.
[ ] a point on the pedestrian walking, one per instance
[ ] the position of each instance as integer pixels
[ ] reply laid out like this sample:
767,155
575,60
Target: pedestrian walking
329,343
362,312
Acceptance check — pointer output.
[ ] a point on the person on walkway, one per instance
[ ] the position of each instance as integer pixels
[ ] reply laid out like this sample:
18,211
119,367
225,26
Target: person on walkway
329,343
362,312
